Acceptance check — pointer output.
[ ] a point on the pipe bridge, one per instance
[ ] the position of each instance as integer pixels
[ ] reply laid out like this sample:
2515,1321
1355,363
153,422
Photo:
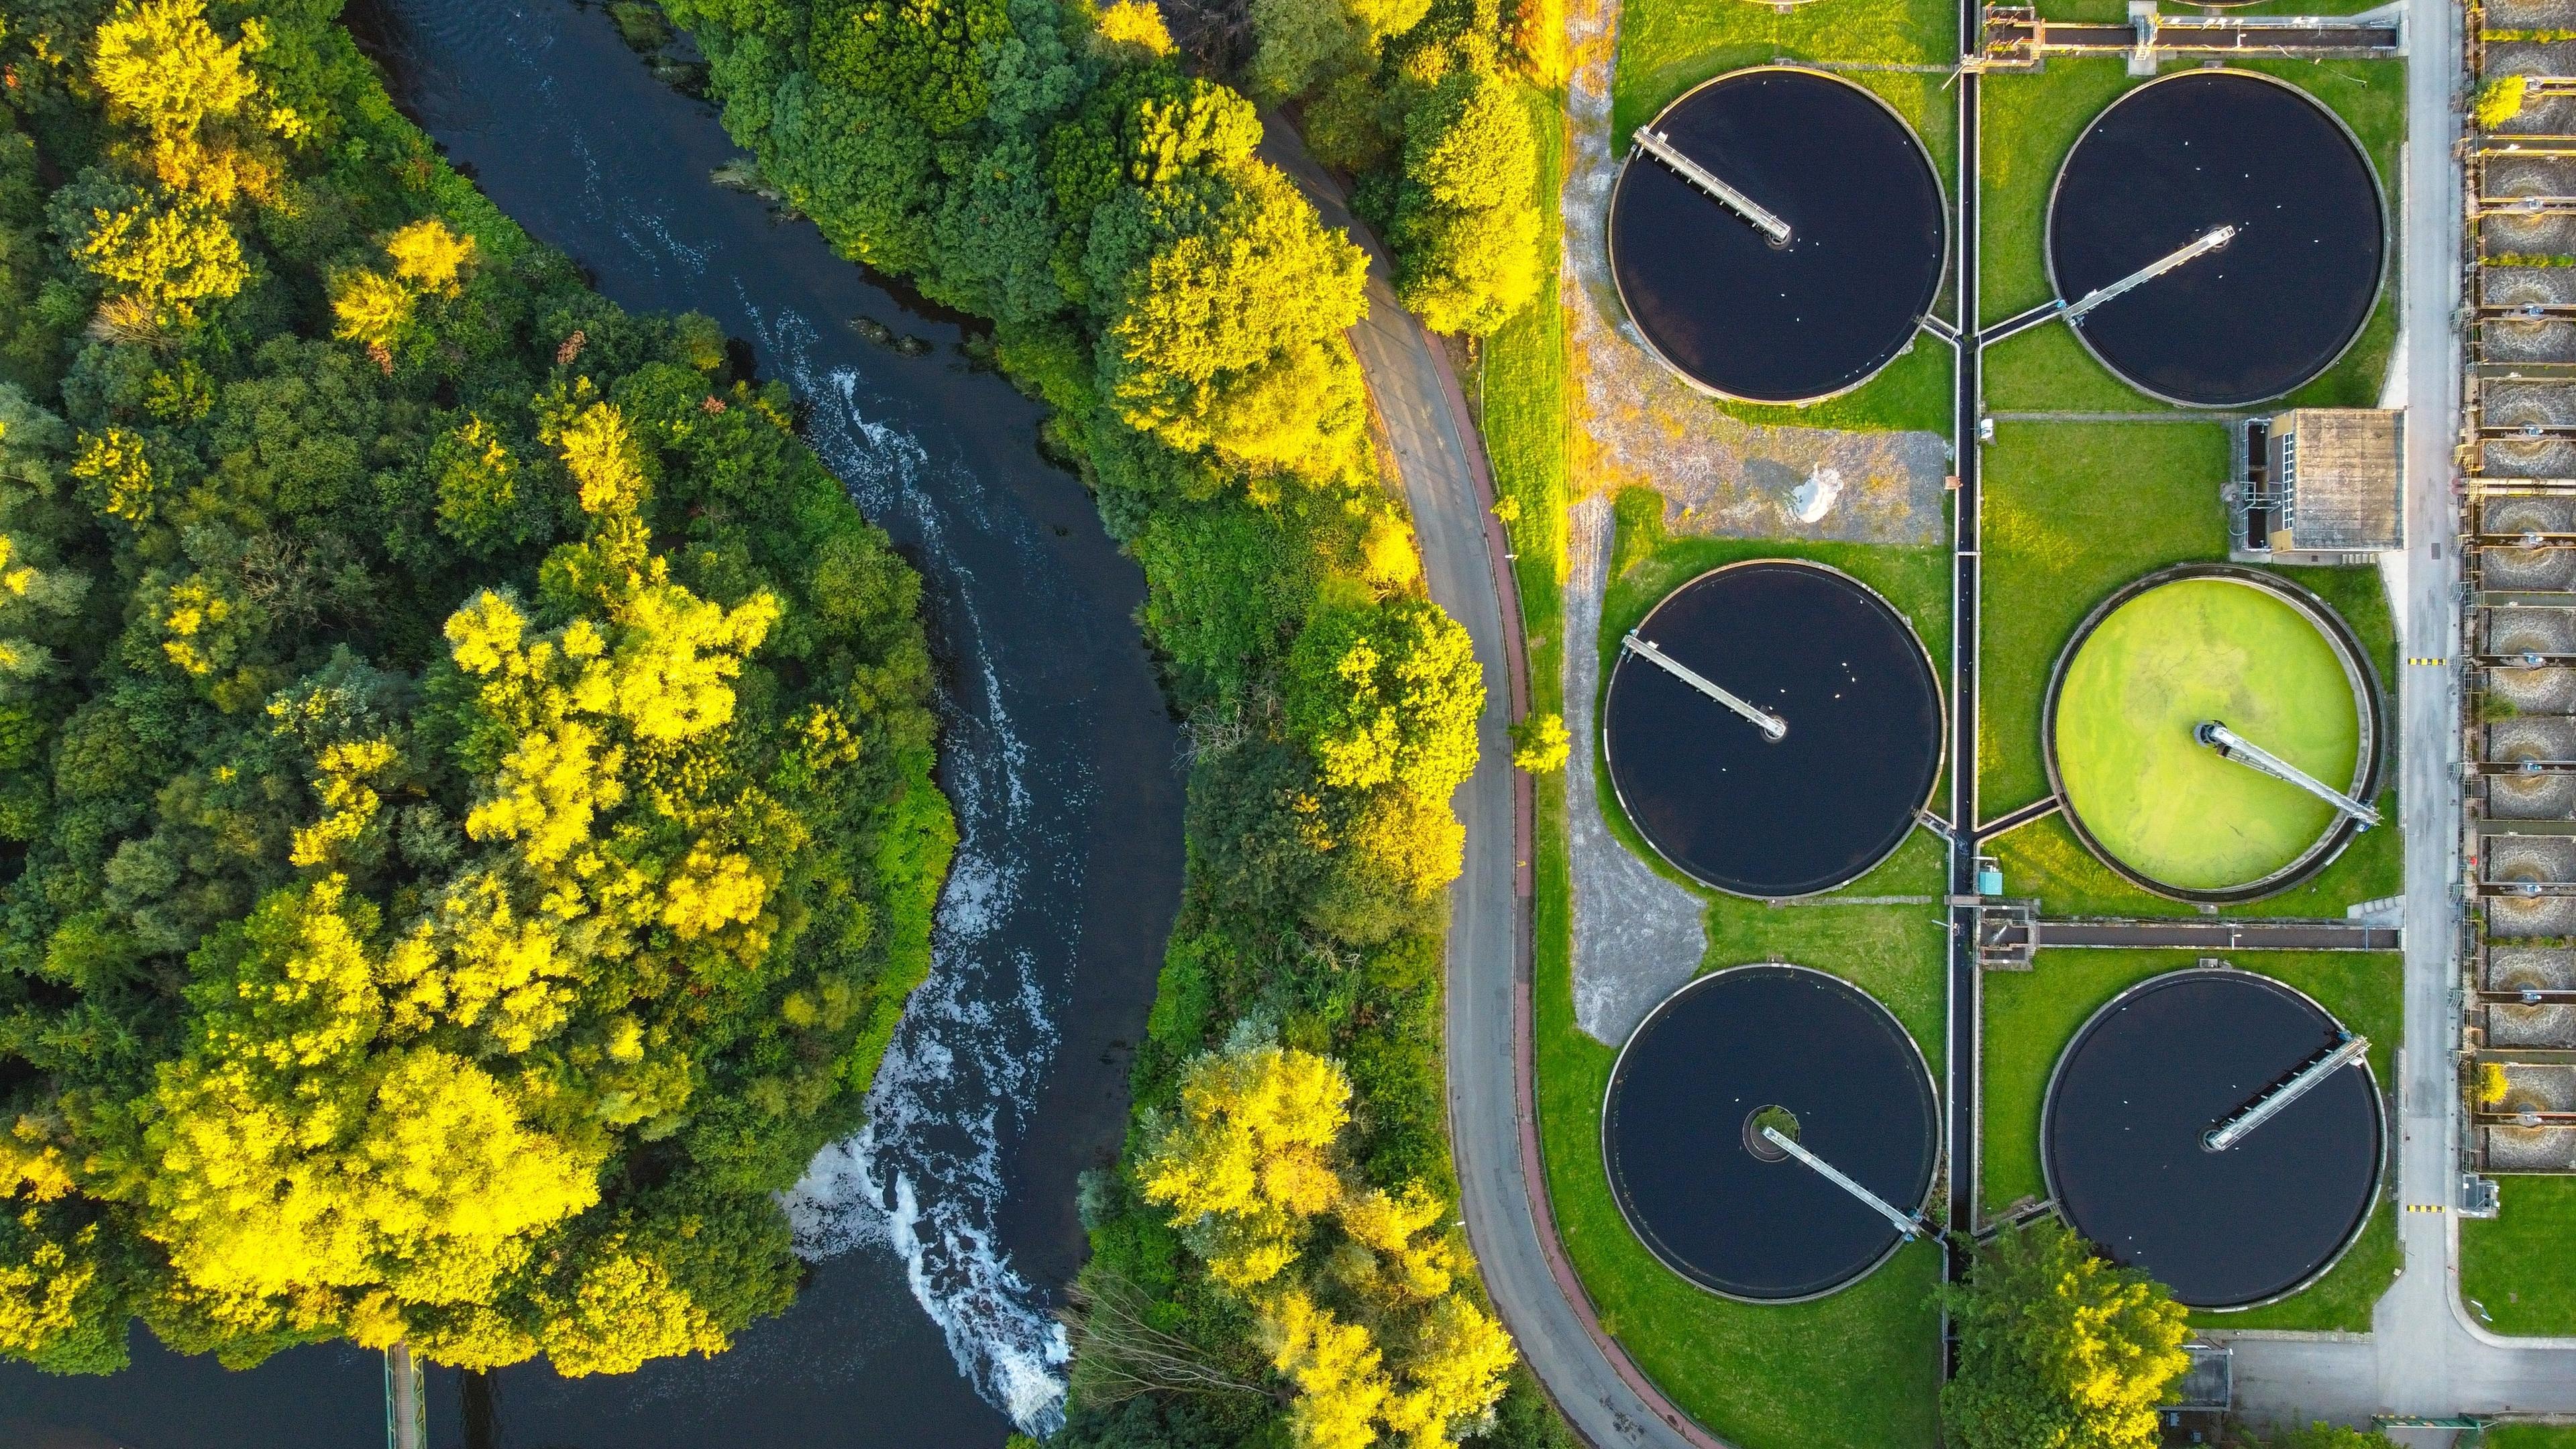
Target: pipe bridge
2199,246
1764,220
2273,1102
2233,746
1904,1222
1772,726
2018,38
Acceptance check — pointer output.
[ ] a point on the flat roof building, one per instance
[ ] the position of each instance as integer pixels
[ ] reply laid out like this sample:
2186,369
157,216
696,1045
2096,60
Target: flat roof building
2321,486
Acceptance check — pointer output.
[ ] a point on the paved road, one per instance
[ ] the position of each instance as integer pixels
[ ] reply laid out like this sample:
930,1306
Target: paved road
2423,1355
1491,1128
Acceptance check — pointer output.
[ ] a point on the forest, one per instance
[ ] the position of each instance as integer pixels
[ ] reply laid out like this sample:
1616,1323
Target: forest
1276,1259
465,793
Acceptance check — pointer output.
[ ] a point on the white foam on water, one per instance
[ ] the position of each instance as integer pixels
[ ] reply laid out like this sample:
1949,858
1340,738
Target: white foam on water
923,1180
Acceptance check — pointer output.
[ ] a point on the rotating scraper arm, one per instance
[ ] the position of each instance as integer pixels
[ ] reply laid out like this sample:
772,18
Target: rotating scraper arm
1763,218
1771,725
2233,746
1904,1222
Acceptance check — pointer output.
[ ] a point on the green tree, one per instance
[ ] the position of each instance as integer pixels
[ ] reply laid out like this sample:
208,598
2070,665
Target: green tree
2058,1349
924,55
1227,334
1466,230
1388,693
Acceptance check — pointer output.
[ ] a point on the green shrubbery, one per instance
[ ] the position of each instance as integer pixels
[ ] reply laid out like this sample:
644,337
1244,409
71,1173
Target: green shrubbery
1425,102
1176,301
464,765
2058,1347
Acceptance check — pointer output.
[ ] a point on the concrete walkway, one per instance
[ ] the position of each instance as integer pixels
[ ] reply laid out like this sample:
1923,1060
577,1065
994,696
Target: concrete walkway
2424,1355
1493,1130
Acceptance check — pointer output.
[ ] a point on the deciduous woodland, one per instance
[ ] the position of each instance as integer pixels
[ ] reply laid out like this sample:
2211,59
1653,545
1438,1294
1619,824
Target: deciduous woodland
467,764
1277,1255
464,765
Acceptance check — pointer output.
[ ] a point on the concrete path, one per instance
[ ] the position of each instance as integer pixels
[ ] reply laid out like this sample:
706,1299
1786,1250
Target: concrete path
2423,1355
1493,1131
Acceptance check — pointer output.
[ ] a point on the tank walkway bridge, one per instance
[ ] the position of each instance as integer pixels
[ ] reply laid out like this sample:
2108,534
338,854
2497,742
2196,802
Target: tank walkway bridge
2010,931
2017,38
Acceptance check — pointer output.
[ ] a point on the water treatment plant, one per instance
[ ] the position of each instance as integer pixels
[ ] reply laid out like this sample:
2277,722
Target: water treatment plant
1773,728
2166,670
1771,1133
2098,758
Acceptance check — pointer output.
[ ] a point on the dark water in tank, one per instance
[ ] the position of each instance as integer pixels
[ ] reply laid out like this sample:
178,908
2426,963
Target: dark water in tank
1863,264
1678,1152
1825,802
2274,307
2137,1090
939,1235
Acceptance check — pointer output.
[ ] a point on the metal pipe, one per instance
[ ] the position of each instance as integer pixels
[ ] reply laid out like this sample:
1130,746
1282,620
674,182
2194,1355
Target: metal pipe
1763,218
1772,726
1905,1223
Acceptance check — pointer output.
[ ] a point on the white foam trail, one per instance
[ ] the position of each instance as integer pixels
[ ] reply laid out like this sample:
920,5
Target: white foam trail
923,1179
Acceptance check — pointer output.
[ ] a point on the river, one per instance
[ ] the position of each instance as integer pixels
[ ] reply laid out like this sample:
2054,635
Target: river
939,1236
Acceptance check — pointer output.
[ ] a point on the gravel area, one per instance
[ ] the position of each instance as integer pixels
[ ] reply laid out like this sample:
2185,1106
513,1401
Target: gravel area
1637,935
1640,425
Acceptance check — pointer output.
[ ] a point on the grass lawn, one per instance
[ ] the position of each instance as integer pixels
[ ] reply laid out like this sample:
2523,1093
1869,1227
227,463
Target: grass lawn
2064,503
2168,805
2032,121
1859,1368
2517,1264
1666,47
1521,396
2530,1436
2030,1017
2073,511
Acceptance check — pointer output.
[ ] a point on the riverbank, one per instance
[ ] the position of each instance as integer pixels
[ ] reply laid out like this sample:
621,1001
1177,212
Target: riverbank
1009,1078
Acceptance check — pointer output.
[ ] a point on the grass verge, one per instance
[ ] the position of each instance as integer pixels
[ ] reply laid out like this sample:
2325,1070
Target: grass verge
1860,1368
2031,1016
2517,1264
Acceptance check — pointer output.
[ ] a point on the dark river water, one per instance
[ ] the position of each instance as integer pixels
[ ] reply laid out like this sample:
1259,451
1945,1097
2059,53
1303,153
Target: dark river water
940,1235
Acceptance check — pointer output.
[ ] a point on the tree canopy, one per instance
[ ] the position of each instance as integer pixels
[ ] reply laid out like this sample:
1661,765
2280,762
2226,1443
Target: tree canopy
465,818
1182,310
2058,1349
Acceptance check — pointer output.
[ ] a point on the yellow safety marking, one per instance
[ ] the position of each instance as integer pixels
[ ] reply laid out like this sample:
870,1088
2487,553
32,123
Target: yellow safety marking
2425,1207
2436,662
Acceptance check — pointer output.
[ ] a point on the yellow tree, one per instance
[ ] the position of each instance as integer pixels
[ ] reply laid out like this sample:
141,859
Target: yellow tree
166,73
2059,1349
308,1165
1248,1156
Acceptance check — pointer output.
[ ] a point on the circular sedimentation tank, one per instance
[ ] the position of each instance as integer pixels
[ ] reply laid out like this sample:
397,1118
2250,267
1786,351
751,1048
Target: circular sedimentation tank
1743,318
2171,652
1837,792
2171,161
1768,1045
2129,1110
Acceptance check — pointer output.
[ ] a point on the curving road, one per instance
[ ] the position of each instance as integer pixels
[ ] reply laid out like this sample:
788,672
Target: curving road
1493,1129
